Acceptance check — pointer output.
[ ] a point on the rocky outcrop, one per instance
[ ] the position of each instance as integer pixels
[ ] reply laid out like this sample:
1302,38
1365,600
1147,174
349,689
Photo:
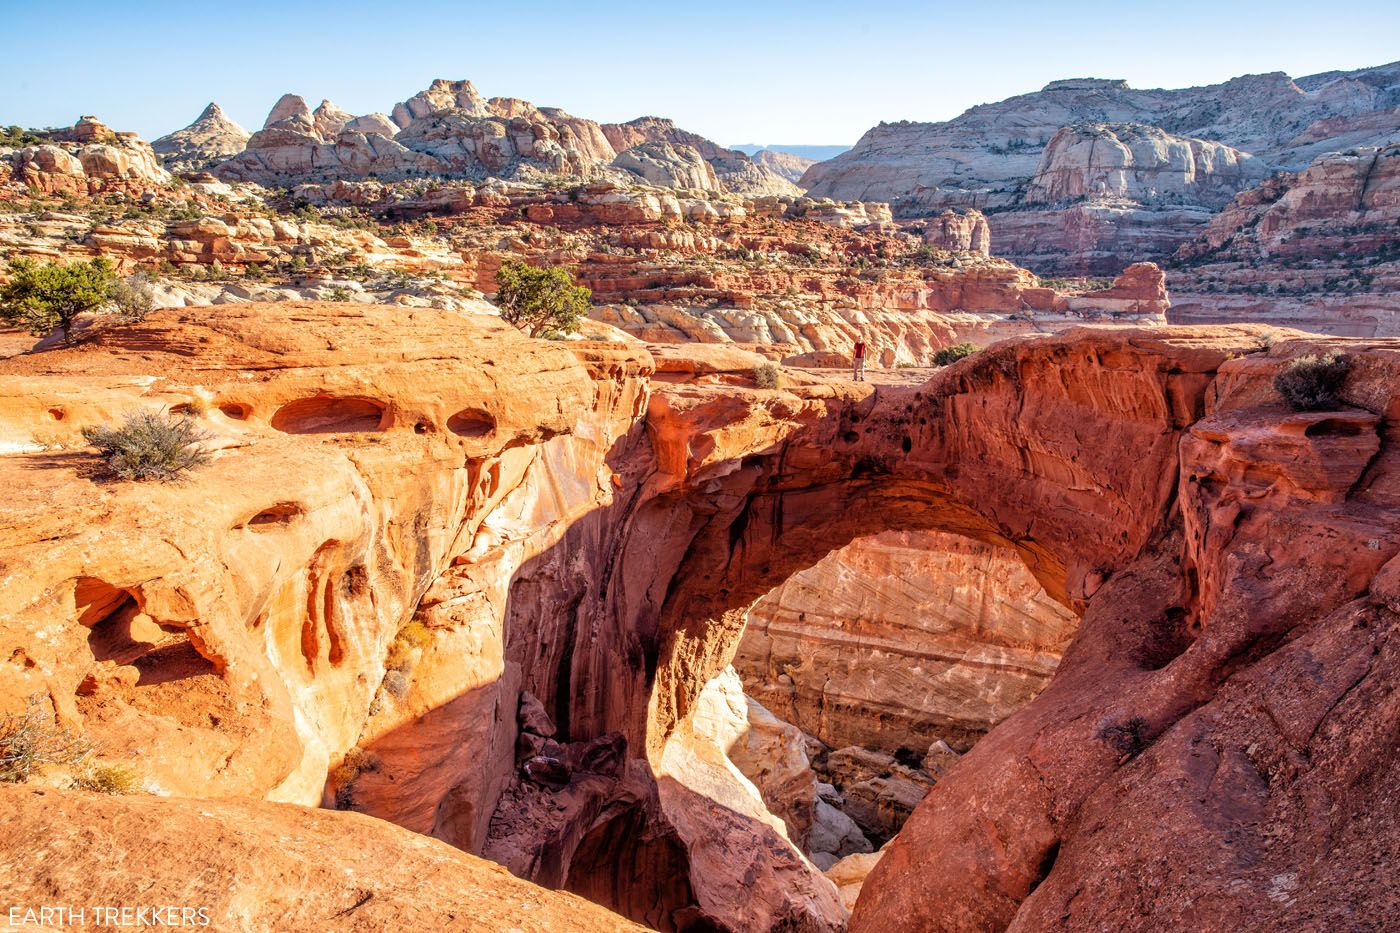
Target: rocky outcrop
1139,163
902,639
207,863
84,160
1315,249
209,140
786,164
448,129
959,231
1131,160
434,497
668,166
903,320
736,171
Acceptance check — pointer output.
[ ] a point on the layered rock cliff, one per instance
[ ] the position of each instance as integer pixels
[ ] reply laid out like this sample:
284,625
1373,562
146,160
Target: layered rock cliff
1087,175
1317,249
900,640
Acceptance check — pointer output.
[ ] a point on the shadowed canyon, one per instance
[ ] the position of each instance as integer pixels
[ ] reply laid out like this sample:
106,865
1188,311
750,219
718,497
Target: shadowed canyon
661,612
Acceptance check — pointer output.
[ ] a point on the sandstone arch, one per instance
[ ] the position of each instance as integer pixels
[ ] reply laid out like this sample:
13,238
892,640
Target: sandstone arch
1226,562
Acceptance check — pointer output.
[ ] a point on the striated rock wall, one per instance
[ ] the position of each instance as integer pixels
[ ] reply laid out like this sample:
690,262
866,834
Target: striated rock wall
901,639
1140,163
1316,249
1147,168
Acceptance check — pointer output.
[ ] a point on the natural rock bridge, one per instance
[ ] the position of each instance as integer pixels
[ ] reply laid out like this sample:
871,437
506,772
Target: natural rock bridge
417,518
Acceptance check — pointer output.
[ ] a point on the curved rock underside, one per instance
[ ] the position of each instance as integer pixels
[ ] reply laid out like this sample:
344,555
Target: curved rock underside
475,585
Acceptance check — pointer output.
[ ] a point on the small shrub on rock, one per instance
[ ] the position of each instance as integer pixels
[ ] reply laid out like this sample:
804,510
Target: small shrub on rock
133,296
148,446
109,779
954,353
1128,738
32,739
765,376
1311,383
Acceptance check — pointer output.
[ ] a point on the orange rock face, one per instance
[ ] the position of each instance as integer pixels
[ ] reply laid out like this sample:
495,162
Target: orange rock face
413,518
213,859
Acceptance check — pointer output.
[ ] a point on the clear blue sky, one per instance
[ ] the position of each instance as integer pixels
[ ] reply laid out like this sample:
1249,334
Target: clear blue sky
813,72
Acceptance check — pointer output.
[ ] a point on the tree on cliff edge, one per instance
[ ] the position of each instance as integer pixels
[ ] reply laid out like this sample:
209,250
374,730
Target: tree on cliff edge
541,302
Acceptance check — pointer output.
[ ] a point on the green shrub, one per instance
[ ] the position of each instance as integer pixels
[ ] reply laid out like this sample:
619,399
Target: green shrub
42,296
1313,384
149,446
32,739
108,779
765,376
541,302
954,353
133,296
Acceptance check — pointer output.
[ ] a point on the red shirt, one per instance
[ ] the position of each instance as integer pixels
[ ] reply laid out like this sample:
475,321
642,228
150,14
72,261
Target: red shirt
860,349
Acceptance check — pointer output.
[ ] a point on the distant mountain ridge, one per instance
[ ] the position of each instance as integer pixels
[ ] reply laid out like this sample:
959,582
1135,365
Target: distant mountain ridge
1088,174
815,153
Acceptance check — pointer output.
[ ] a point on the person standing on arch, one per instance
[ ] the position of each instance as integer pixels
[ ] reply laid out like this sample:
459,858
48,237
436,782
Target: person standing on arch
858,359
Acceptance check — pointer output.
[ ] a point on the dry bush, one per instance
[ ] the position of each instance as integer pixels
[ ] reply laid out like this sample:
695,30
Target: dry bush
1310,383
148,446
765,376
32,739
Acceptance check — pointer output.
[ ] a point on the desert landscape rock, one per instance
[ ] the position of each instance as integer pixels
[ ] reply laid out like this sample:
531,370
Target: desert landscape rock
664,622
380,448
902,639
1087,175
1316,248
210,139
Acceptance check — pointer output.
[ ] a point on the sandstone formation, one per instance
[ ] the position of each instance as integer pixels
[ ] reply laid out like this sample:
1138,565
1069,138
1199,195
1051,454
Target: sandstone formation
960,231
414,518
1087,175
902,639
738,172
451,130
207,141
1316,249
786,164
668,166
84,160
1139,163
327,871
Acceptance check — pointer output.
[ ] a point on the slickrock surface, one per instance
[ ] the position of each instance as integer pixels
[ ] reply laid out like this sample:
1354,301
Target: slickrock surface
252,866
210,139
416,517
901,639
1317,249
1087,175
